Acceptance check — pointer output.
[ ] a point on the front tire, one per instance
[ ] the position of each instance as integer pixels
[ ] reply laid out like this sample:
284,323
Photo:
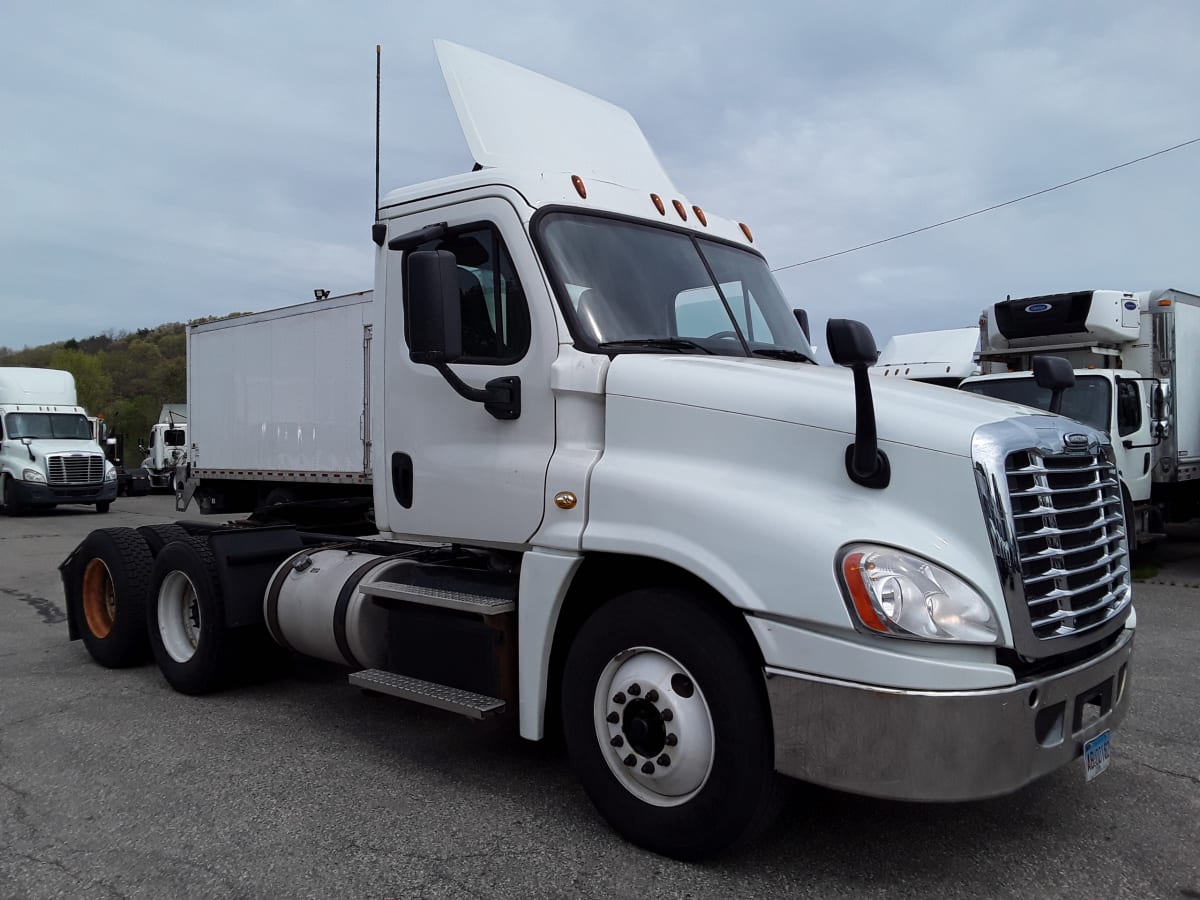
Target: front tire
667,724
109,597
103,505
12,506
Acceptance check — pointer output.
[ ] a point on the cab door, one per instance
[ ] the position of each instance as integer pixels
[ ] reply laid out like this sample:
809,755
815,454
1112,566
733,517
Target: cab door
1133,439
452,470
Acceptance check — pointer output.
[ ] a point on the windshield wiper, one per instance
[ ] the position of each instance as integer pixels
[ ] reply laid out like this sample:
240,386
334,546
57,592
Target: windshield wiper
782,353
677,344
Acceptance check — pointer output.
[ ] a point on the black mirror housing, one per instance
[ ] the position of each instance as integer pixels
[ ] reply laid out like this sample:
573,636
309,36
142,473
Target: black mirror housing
850,343
802,320
1053,373
431,298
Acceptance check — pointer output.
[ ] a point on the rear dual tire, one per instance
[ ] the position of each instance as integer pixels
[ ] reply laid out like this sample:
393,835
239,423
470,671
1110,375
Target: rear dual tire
109,597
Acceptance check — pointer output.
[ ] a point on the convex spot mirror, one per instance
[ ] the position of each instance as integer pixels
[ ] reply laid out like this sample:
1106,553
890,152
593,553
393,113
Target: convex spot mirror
850,343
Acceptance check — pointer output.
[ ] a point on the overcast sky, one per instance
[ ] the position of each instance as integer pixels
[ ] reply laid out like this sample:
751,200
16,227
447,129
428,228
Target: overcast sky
161,162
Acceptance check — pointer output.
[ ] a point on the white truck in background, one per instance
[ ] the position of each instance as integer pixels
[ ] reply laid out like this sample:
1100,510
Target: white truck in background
166,453
935,357
614,494
1136,357
279,406
48,454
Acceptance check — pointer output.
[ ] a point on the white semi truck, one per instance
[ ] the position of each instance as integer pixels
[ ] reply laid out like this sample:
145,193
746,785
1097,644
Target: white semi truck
48,454
1137,377
166,452
279,406
697,554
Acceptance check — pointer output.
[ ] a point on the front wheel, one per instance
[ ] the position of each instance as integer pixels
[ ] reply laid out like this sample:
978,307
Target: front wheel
12,506
103,505
667,724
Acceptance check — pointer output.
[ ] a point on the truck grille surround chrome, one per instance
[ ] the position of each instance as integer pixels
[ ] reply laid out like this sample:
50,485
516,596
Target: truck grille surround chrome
78,468
1052,505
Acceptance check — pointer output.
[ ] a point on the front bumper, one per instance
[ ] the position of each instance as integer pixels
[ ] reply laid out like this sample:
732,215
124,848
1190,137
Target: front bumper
944,745
31,493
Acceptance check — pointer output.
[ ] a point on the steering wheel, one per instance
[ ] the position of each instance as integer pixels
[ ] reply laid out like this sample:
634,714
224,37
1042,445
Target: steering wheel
728,335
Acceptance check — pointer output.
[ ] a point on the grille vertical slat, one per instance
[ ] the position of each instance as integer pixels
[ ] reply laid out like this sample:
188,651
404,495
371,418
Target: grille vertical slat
1072,566
75,468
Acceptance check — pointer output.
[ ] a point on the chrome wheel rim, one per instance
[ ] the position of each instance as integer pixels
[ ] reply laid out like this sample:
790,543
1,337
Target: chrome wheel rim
179,621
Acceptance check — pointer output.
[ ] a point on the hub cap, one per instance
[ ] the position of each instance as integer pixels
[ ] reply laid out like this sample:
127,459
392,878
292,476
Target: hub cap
653,726
99,598
179,616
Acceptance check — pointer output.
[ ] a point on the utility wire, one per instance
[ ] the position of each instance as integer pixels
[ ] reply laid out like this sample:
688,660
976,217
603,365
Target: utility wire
980,212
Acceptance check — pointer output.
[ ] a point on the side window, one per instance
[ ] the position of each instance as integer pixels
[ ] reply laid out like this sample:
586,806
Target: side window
700,313
495,315
1129,407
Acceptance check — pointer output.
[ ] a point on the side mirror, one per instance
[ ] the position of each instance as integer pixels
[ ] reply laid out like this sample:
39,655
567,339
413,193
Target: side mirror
1056,375
802,320
1158,411
852,344
431,299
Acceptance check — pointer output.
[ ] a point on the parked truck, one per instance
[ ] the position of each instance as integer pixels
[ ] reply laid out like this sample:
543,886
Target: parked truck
48,454
1135,378
701,557
165,452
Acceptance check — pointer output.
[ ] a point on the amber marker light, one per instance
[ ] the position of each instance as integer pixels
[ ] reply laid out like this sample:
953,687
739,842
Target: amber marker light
579,188
658,204
1164,302
679,209
700,215
855,578
746,231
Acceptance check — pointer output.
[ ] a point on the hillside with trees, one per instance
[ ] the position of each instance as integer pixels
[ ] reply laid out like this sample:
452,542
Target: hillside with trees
125,377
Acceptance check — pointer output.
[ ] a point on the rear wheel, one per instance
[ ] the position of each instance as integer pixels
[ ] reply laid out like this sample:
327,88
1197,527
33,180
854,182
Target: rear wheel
667,723
109,596
158,536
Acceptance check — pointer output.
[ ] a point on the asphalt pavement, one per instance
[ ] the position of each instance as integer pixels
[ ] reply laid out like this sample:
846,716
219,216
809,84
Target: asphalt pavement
112,785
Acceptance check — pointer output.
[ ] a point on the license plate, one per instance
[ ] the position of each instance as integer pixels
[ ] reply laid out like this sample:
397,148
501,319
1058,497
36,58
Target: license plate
1097,754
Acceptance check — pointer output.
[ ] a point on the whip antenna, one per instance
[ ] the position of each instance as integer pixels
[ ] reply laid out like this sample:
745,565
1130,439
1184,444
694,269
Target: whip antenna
378,57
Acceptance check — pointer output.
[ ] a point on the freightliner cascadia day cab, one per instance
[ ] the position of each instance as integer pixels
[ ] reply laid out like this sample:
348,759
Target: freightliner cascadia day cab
616,497
166,452
48,451
1137,378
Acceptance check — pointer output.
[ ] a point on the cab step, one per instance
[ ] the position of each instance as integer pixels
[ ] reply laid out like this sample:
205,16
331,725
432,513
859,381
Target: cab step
481,604
442,696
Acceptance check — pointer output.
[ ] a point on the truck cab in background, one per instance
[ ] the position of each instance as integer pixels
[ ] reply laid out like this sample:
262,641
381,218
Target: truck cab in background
1137,378
166,451
48,451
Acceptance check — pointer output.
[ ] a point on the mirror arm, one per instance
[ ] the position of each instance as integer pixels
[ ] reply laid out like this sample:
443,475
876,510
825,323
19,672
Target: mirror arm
501,397
866,464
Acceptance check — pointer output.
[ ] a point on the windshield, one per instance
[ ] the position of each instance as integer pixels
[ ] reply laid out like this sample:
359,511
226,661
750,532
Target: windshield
64,426
174,437
1089,401
632,285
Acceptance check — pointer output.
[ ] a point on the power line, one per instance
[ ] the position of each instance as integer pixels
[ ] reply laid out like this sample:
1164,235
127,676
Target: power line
979,212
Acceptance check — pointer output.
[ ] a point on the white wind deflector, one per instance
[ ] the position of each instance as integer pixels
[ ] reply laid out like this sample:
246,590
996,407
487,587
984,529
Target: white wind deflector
518,119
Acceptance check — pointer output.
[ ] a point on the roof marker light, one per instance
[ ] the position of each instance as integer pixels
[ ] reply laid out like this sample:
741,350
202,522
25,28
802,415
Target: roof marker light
1164,302
700,215
679,209
658,204
579,188
746,231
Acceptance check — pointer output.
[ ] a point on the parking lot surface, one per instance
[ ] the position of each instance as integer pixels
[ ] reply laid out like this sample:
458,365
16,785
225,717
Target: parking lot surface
112,785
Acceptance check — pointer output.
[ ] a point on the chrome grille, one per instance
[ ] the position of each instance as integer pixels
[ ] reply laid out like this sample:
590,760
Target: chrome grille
77,468
1070,534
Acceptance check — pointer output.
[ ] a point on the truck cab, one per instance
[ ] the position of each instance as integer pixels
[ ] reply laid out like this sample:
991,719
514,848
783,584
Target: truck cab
48,451
166,450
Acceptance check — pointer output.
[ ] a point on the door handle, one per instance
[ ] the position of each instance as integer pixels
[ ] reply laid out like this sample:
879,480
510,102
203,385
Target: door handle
402,479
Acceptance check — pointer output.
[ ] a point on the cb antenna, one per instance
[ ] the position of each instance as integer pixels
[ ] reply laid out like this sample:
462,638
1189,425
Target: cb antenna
378,63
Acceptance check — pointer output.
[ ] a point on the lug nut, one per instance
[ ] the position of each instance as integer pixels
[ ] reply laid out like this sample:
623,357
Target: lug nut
672,740
652,695
630,760
635,689
648,768
667,715
619,698
613,718
618,741
664,760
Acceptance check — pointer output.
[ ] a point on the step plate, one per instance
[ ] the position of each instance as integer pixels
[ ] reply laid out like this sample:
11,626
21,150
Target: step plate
411,593
465,703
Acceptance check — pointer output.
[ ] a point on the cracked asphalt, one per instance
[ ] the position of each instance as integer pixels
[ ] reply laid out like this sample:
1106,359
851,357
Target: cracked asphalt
112,785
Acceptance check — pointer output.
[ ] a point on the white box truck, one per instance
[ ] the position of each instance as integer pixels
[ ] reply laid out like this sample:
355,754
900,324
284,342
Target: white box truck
1137,377
701,556
48,454
279,406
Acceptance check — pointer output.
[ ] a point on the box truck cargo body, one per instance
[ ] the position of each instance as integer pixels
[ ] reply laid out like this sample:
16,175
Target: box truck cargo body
279,404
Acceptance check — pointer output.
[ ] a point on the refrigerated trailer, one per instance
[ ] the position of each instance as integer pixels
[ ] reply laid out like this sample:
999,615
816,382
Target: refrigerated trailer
616,497
1137,377
279,406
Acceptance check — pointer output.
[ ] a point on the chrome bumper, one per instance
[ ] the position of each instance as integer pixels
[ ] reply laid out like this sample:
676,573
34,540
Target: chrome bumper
943,745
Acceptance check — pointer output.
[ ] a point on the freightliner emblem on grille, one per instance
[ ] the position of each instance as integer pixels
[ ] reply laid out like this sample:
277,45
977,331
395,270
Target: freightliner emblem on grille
1076,441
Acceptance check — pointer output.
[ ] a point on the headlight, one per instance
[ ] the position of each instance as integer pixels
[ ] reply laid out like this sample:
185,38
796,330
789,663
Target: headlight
110,474
900,594
34,475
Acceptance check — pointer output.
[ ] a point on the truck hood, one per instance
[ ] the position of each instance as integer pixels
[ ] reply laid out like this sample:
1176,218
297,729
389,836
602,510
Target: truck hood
46,446
906,412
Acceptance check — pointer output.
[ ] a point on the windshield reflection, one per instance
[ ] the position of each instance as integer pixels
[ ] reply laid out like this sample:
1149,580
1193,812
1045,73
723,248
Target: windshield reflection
640,287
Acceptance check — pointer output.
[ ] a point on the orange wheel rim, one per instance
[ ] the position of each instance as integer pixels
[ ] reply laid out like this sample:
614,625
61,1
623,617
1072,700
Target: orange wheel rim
99,598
